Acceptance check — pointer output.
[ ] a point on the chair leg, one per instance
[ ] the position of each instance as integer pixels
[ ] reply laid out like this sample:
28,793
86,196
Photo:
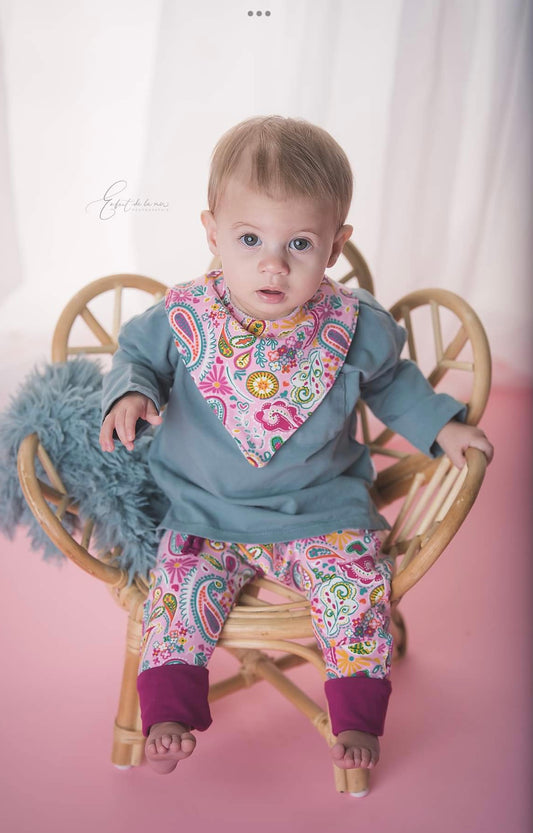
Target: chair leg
128,740
399,633
356,782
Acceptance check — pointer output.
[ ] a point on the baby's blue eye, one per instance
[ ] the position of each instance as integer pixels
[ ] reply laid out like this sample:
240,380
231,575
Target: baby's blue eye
250,240
299,244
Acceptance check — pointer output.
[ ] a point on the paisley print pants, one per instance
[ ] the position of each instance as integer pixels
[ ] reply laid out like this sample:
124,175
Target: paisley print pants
196,582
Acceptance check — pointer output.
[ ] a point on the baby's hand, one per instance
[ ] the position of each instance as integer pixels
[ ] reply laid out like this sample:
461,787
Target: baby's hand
123,417
455,438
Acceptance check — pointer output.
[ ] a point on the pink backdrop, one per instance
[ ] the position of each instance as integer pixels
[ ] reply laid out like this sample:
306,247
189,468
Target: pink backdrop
456,754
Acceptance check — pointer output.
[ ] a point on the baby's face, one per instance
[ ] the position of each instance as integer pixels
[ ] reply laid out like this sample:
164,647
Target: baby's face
273,251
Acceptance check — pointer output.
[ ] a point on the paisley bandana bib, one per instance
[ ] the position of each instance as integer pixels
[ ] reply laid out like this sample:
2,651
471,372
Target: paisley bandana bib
262,379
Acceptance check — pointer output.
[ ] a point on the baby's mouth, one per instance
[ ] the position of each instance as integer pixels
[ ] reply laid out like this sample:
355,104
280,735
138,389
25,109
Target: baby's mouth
271,294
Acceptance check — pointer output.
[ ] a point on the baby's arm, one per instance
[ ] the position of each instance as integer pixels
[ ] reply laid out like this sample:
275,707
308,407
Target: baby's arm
123,417
456,437
141,377
401,397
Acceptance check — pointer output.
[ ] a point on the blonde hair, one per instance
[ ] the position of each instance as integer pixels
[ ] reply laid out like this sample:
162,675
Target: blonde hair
291,157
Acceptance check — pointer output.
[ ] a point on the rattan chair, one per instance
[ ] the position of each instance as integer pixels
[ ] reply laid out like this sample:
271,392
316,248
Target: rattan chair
269,631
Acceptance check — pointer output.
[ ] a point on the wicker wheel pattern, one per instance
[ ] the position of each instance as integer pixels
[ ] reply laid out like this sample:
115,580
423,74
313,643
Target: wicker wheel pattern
104,338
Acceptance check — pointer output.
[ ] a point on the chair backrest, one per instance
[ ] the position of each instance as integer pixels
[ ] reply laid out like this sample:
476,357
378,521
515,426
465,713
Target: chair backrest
102,332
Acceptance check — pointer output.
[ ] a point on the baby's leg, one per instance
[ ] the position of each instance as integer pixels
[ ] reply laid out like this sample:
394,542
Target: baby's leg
357,709
348,584
193,588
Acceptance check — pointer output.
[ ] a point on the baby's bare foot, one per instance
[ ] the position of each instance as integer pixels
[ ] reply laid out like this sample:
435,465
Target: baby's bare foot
355,749
168,743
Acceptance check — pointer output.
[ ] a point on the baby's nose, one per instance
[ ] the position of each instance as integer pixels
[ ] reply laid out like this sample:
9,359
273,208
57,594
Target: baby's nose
274,265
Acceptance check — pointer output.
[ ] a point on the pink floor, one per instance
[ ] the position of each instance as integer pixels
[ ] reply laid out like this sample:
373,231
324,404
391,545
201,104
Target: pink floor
456,755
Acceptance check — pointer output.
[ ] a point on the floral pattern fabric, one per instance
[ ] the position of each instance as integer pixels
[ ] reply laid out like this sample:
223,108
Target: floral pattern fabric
262,379
343,574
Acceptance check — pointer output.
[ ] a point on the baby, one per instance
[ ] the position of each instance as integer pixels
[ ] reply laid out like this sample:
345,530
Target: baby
261,365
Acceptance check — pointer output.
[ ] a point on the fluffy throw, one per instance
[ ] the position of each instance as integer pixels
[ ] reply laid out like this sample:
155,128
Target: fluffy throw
62,403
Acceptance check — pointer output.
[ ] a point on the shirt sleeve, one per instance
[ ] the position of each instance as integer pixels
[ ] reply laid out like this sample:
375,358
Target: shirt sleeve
145,361
395,389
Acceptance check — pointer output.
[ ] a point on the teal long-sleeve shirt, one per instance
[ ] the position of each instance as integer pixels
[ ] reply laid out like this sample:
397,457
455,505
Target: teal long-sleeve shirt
319,480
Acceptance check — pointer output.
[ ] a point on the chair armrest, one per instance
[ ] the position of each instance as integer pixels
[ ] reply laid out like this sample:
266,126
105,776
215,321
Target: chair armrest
38,493
433,545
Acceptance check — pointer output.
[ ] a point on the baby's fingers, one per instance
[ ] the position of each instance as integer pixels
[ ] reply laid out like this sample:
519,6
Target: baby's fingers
130,424
152,415
457,456
484,445
106,434
125,427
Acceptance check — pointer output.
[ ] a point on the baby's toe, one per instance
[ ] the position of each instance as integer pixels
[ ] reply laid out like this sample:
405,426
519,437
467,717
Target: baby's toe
188,742
175,744
356,757
162,744
346,757
366,757
337,751
154,748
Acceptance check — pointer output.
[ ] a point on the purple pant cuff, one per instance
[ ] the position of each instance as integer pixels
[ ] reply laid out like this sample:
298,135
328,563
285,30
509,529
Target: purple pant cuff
357,702
176,693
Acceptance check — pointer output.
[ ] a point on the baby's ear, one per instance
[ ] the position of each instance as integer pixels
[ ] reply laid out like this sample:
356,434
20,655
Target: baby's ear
210,225
343,234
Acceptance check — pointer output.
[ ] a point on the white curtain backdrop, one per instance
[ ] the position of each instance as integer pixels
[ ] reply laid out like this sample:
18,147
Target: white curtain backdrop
431,100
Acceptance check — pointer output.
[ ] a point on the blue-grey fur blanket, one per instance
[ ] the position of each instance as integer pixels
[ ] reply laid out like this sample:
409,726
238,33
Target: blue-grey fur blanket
62,403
